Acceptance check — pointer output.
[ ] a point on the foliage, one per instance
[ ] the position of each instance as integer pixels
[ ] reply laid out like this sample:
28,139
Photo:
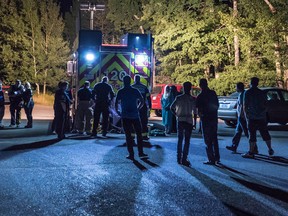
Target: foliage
32,44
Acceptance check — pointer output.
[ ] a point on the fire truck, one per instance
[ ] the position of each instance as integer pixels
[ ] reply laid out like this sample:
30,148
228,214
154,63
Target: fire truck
93,60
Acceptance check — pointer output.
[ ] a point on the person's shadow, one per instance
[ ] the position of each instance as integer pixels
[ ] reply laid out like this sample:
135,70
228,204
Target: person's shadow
117,189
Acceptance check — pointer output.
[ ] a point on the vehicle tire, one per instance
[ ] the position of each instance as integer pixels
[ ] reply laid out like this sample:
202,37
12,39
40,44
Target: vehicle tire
231,123
158,113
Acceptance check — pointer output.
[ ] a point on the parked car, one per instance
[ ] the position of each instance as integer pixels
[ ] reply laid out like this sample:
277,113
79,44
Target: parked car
158,91
277,106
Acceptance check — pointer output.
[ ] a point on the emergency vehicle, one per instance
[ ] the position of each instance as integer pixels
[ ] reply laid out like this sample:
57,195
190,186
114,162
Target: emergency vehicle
93,60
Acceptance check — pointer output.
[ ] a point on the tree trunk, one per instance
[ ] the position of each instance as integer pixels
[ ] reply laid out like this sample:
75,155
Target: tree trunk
37,88
272,9
236,38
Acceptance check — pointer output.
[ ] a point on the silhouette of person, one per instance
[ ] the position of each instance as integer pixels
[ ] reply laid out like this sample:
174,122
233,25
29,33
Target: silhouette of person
255,108
174,93
241,121
2,106
146,107
166,101
84,110
207,104
16,103
131,102
28,104
62,103
103,94
183,108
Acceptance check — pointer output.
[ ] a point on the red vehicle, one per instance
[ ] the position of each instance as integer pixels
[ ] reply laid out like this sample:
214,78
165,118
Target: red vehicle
158,91
5,90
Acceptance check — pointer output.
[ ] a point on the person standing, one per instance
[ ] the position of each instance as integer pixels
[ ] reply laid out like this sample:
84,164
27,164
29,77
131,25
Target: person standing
84,110
103,94
255,109
241,121
28,104
166,101
16,103
131,102
145,109
62,103
174,93
2,106
207,104
183,107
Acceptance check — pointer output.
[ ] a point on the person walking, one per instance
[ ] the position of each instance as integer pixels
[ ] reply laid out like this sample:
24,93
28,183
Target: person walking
16,103
241,121
103,94
145,109
183,107
131,102
28,104
84,110
2,106
255,109
207,104
166,101
62,103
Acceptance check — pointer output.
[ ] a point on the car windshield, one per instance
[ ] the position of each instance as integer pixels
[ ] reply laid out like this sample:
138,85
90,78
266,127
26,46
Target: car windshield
235,94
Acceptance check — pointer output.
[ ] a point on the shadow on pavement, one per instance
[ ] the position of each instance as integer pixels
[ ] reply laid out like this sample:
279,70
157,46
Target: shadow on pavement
277,160
272,192
232,199
34,145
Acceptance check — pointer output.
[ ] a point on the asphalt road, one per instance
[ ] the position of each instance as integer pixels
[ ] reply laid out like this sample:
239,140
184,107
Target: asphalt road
82,176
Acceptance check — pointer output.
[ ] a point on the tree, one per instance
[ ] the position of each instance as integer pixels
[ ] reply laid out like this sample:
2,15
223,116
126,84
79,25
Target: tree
33,48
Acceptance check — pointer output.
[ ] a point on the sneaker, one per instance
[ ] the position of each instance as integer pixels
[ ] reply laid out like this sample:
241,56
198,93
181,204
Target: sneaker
186,163
142,155
271,152
130,157
231,148
248,155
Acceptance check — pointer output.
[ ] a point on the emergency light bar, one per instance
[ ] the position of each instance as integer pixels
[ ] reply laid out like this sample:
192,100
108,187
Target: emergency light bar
141,60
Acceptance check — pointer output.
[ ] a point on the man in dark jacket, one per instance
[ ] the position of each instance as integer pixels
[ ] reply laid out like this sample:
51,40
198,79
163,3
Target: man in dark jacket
255,108
103,94
208,104
146,107
241,121
16,103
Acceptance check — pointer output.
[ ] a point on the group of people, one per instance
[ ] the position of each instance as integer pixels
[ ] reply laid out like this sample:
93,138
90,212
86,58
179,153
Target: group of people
132,103
20,97
251,111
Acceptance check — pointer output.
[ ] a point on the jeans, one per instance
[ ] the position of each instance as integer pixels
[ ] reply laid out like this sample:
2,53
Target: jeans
15,111
128,126
209,131
184,129
28,111
258,124
241,127
104,109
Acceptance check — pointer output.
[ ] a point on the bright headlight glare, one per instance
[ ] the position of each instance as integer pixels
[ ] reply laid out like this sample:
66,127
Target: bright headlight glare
141,60
90,57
